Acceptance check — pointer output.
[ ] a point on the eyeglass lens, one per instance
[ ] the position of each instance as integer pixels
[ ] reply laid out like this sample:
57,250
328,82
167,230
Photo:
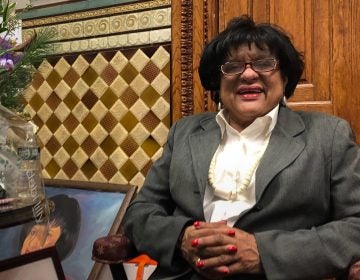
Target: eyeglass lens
237,67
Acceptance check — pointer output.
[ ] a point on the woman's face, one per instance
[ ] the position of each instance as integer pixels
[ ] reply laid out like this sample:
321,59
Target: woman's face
250,95
40,237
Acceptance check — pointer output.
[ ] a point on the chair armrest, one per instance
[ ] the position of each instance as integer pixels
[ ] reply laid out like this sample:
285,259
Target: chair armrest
115,248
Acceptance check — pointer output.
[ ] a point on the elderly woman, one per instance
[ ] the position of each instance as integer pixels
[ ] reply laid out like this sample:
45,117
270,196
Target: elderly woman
255,191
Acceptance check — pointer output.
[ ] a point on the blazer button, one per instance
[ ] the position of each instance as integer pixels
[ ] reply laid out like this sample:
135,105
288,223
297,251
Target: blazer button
258,207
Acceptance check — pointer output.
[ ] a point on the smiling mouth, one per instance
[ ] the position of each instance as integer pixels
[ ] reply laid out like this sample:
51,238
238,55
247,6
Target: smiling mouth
249,93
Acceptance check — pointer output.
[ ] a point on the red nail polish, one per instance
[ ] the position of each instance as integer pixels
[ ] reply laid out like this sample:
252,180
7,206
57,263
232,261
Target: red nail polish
231,232
232,249
194,242
225,270
197,224
200,263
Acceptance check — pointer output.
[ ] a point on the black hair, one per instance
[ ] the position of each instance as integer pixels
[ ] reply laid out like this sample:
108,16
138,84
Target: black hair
64,212
243,30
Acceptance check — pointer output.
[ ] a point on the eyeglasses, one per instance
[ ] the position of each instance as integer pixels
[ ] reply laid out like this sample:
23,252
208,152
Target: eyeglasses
233,68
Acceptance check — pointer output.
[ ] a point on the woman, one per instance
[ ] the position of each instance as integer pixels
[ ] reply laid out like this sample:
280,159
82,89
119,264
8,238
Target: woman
256,191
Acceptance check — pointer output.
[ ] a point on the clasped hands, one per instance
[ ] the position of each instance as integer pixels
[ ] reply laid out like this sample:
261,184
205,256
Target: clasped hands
216,250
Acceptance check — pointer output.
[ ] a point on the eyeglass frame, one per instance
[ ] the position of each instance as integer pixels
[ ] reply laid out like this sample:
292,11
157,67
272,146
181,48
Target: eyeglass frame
251,66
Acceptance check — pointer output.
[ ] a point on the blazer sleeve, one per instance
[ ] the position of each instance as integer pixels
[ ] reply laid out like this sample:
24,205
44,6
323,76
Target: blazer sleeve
331,247
149,220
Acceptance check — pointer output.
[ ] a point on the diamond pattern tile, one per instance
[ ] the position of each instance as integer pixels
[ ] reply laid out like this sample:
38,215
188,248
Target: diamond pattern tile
62,90
62,67
102,116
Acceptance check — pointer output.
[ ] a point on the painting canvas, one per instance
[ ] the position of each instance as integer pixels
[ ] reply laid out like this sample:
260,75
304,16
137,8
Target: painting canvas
98,210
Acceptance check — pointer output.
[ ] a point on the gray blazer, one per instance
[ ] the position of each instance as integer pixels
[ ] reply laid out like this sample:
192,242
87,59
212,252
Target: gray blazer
306,219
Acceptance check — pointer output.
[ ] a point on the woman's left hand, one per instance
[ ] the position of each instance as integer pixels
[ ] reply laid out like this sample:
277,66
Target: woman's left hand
217,250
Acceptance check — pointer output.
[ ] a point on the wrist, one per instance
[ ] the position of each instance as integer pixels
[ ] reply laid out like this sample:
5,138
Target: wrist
182,233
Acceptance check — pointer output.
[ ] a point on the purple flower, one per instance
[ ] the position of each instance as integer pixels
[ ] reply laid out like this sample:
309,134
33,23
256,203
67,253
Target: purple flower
9,59
6,44
8,64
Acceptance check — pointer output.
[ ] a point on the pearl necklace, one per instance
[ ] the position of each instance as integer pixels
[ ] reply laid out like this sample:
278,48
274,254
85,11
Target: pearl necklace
231,193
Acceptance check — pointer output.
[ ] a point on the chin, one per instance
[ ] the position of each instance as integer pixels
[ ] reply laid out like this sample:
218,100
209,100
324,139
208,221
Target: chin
251,109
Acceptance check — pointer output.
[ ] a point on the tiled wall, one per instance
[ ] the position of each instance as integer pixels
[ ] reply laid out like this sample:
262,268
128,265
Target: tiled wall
102,102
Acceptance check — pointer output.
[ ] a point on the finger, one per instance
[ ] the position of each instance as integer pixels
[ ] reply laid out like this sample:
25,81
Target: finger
211,237
209,252
215,262
212,272
209,231
198,227
202,237
200,224
214,239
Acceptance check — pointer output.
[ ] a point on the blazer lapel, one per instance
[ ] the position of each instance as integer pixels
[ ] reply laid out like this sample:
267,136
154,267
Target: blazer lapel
203,146
283,149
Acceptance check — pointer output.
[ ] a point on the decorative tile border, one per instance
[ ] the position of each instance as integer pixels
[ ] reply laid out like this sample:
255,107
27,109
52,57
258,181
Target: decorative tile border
115,41
108,28
76,16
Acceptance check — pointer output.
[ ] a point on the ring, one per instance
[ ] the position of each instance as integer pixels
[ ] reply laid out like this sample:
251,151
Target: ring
199,263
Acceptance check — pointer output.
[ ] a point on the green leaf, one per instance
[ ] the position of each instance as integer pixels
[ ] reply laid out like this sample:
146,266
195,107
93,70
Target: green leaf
13,83
6,12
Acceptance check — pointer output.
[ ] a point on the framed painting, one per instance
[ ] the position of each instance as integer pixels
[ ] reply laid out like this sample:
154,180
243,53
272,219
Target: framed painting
81,212
38,265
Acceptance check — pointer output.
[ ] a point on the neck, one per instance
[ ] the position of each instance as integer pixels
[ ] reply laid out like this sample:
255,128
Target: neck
239,125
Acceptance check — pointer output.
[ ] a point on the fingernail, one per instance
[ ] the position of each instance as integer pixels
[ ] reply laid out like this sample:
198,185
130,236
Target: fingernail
231,232
194,242
200,263
197,224
232,249
225,270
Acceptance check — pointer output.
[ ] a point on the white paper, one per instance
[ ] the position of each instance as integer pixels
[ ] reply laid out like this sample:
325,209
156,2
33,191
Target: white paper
131,270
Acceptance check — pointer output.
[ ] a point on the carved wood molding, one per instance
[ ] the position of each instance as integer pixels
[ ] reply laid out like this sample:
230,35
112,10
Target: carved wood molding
186,50
205,41
210,15
193,24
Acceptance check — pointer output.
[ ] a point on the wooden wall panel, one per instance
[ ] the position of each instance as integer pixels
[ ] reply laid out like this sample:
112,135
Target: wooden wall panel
346,61
307,23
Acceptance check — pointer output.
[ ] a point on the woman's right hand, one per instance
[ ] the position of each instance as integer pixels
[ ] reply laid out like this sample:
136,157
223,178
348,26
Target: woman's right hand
216,250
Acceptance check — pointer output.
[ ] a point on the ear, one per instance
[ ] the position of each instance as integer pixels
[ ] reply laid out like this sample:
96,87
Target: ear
284,100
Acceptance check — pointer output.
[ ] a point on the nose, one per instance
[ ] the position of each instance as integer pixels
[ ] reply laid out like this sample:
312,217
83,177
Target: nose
34,245
248,72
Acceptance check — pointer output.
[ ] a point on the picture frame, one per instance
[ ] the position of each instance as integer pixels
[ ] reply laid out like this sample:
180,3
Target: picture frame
38,265
100,207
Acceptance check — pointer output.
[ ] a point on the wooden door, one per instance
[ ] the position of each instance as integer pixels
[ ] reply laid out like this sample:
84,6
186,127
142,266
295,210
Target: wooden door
326,31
